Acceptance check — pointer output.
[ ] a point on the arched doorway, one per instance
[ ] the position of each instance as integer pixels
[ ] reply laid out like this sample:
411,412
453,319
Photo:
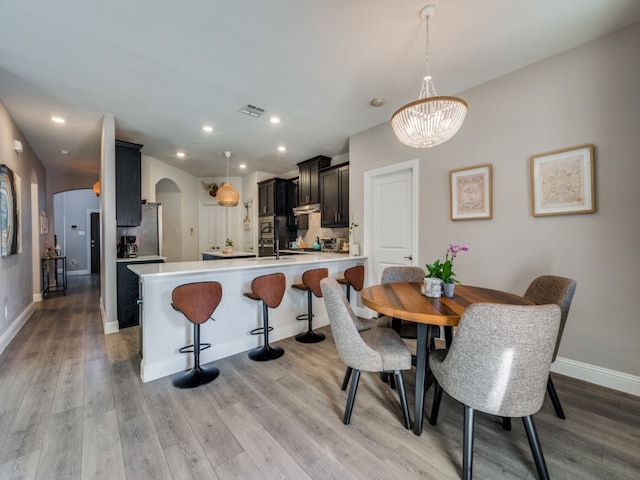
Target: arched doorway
168,194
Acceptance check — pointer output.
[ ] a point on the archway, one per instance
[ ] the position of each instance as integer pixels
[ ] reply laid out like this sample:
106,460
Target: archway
168,194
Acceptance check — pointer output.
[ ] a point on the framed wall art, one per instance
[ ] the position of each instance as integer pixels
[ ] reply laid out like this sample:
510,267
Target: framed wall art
470,191
8,213
562,182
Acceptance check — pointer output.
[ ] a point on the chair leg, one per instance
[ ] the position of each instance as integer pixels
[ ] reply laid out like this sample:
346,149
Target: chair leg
352,397
266,352
310,336
403,398
506,423
347,376
536,449
348,293
467,448
198,375
435,408
551,390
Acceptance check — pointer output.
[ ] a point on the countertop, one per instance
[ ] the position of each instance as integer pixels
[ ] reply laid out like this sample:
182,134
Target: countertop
141,258
186,268
234,254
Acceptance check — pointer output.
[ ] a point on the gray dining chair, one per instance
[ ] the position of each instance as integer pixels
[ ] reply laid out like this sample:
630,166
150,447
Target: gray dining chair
498,363
399,274
559,290
364,349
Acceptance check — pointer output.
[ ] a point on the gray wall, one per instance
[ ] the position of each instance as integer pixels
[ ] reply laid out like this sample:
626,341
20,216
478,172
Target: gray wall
16,271
589,94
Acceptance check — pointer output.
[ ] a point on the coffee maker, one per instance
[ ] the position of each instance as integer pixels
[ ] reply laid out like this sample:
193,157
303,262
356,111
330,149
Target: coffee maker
128,246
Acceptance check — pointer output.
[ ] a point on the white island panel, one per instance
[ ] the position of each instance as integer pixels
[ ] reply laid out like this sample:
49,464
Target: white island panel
165,330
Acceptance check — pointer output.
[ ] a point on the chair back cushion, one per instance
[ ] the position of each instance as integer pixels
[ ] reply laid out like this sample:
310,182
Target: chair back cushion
384,349
500,358
197,301
270,288
311,278
552,289
355,276
402,273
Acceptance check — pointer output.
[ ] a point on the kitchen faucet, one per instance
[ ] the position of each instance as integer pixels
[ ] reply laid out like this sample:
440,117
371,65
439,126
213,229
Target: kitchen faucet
276,239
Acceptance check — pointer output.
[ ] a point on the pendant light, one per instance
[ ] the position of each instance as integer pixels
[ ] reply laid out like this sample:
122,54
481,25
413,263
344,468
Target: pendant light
430,120
227,195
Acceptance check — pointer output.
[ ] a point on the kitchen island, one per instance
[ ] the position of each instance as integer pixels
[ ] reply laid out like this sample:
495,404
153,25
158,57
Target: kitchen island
163,330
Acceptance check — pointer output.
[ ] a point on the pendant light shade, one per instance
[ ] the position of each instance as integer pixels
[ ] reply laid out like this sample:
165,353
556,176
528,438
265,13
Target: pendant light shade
227,195
430,120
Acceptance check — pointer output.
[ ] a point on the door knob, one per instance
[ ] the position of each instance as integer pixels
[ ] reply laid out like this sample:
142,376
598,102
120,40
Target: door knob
410,257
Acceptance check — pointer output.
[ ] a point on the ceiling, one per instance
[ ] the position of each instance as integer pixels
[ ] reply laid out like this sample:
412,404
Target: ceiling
165,68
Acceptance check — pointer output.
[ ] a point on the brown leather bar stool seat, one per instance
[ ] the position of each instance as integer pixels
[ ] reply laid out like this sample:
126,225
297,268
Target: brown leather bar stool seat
197,302
311,285
353,277
270,290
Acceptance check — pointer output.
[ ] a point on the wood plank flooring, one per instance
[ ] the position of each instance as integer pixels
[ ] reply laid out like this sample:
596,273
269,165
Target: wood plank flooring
72,406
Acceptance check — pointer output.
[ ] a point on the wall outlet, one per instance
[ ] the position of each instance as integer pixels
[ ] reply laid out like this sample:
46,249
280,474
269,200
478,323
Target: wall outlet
73,263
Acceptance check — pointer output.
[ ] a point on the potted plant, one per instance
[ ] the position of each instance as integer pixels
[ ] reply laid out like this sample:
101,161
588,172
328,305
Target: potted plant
444,273
354,248
229,243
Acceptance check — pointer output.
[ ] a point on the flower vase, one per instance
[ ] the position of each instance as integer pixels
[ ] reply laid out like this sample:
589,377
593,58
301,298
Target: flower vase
229,249
354,248
433,287
448,289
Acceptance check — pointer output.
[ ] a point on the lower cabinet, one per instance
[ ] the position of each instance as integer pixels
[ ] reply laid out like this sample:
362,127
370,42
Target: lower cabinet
127,291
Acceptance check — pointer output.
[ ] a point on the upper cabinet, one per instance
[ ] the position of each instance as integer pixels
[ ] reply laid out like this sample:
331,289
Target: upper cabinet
128,189
308,186
334,196
273,197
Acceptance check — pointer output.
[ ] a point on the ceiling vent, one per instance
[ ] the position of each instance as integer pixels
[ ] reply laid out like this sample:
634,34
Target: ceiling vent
252,110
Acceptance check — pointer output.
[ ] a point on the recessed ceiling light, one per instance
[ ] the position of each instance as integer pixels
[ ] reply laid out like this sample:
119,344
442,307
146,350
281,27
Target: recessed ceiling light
57,119
377,102
207,128
64,152
242,165
274,120
282,148
180,154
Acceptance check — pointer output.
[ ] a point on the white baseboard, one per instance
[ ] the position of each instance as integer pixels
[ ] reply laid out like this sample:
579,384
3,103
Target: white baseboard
37,297
108,327
73,273
604,377
15,327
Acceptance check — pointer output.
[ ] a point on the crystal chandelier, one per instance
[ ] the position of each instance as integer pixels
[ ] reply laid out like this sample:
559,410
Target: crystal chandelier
227,195
430,120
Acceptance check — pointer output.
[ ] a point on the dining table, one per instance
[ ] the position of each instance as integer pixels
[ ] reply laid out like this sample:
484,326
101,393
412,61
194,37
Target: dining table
405,301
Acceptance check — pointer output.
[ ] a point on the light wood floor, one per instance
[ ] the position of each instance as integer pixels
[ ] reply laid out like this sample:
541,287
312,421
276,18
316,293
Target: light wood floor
72,406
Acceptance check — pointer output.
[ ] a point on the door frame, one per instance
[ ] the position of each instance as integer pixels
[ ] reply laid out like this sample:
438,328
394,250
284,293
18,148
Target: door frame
369,176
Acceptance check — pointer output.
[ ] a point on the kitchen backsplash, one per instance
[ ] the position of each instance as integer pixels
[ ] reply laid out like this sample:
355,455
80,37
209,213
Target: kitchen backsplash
315,230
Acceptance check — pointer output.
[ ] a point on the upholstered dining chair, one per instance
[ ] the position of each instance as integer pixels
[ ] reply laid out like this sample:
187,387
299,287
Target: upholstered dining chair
498,363
559,290
366,350
399,274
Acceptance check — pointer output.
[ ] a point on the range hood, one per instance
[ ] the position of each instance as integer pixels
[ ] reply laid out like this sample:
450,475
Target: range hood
304,209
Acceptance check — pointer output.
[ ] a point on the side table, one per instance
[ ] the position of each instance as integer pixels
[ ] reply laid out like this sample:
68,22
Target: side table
52,283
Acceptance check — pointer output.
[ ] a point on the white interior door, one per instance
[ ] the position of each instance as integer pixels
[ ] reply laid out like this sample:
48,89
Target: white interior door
391,213
212,226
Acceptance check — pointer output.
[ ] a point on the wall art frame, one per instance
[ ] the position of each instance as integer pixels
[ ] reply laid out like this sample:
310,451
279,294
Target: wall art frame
471,194
562,182
8,213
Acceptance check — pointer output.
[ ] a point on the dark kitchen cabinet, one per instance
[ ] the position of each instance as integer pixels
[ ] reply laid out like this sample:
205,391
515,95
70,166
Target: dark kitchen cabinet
273,197
127,293
128,189
308,187
334,196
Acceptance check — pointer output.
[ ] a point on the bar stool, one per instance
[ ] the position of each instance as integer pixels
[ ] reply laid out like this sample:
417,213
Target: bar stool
269,289
197,302
311,285
353,277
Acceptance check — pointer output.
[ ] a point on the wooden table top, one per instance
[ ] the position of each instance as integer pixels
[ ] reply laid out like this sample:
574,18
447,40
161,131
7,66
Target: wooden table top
405,301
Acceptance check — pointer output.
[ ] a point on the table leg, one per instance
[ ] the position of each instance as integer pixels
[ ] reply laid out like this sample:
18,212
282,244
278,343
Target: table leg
424,332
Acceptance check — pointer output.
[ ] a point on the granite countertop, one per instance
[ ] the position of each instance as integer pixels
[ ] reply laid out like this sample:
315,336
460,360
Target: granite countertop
234,254
194,267
141,258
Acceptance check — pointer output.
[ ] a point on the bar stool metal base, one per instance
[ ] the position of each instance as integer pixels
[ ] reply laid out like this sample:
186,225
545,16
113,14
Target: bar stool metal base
266,353
197,376
310,337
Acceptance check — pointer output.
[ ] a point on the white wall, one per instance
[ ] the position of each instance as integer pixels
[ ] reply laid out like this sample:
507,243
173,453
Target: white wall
587,95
